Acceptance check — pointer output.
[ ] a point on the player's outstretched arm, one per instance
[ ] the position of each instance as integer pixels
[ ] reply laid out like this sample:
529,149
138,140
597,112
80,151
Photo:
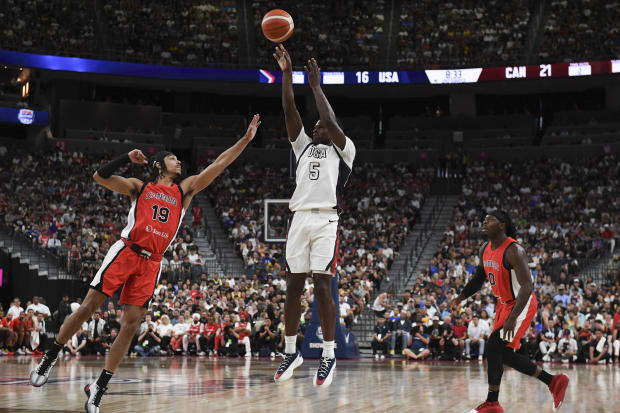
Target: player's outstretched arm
126,186
326,113
196,183
291,115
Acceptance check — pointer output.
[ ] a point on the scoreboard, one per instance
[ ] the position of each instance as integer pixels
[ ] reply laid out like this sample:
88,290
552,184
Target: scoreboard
359,77
455,76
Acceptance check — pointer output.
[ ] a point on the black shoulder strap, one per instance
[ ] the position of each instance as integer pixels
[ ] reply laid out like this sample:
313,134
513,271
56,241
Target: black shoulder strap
483,249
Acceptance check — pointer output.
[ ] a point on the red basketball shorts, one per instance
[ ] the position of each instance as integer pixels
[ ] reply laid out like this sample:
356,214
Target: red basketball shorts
123,267
524,320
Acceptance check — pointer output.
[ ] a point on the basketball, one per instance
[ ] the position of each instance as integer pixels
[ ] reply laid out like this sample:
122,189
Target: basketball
277,25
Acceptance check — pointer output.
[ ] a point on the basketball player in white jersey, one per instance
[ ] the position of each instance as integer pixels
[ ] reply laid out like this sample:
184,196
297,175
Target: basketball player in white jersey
324,163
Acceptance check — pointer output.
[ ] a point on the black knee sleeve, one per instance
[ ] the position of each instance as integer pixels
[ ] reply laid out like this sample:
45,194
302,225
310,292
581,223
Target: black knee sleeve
495,353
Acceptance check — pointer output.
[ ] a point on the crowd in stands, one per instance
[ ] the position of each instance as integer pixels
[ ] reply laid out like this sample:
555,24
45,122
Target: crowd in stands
582,28
53,201
349,36
174,32
475,33
380,205
566,215
338,33
62,27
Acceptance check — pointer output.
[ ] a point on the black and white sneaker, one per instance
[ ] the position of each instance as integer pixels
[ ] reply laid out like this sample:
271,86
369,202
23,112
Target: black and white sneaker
94,394
40,374
290,363
325,373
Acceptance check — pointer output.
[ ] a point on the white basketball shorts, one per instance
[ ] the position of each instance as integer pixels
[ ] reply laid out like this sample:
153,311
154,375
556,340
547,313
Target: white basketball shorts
312,241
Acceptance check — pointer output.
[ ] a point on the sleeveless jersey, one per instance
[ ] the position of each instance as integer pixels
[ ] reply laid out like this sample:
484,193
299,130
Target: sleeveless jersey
322,173
155,217
501,276
194,329
210,328
243,334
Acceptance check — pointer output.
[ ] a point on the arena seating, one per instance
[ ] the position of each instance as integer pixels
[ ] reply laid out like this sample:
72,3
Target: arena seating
476,33
429,133
582,28
188,31
583,127
63,27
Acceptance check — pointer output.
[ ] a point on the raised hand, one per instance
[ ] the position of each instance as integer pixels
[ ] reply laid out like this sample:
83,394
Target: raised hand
283,58
314,73
253,127
136,156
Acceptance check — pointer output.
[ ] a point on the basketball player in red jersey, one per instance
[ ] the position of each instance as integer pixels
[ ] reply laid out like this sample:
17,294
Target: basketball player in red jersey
504,264
134,262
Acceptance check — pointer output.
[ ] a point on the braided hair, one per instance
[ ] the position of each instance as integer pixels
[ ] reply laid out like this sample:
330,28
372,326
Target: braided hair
503,217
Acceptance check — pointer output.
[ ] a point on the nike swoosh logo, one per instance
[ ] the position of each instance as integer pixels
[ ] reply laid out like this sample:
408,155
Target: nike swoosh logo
330,221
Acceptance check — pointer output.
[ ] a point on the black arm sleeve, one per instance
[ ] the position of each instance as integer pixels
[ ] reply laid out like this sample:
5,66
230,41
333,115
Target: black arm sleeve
106,170
475,283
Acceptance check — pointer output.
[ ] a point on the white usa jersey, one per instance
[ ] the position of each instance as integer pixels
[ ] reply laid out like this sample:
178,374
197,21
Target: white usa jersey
322,173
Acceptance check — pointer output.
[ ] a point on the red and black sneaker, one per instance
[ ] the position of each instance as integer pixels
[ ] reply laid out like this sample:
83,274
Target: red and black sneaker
558,385
488,407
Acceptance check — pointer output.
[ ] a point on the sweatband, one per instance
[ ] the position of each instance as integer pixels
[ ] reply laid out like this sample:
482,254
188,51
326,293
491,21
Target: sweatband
106,170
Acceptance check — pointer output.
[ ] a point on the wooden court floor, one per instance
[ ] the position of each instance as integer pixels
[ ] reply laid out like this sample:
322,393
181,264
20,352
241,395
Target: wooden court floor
236,385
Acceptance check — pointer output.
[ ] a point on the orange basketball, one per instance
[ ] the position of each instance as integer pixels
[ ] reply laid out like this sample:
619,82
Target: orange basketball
277,25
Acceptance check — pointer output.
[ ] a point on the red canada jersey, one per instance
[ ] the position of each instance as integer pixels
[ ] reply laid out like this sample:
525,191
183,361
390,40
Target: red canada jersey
195,329
15,324
210,328
501,276
28,325
243,325
155,217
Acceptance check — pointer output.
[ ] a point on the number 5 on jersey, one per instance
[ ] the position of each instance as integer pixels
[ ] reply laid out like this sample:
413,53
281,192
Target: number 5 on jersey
313,170
163,213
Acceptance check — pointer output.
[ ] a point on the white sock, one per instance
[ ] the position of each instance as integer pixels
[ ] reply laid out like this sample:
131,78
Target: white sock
328,349
290,343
